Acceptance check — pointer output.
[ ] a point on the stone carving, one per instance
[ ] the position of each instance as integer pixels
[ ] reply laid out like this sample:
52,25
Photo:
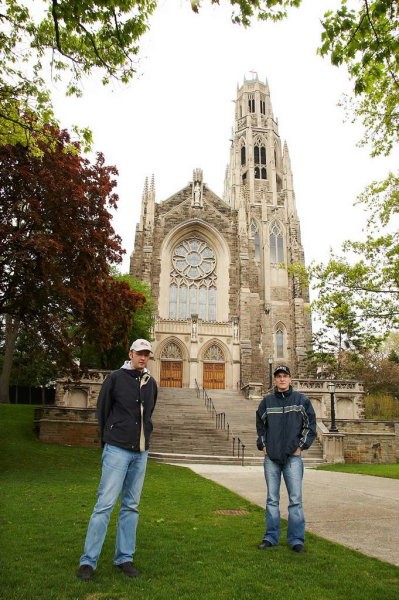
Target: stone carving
197,189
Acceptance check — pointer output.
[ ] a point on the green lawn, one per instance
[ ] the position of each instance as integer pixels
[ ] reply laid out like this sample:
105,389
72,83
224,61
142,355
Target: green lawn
185,549
391,471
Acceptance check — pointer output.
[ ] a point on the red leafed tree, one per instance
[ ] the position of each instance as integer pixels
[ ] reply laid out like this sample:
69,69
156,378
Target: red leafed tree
57,243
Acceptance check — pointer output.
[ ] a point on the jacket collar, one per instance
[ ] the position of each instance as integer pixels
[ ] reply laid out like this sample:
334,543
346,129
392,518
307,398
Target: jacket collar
283,394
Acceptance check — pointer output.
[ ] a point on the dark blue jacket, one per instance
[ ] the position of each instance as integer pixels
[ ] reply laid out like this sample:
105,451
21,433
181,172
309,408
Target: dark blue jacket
285,421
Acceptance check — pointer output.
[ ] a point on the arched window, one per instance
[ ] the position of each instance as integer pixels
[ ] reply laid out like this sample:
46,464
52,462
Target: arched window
276,243
279,343
171,351
251,103
214,354
262,104
192,289
243,155
263,155
260,159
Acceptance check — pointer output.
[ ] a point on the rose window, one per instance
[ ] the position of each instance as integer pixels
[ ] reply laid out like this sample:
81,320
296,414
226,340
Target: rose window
194,259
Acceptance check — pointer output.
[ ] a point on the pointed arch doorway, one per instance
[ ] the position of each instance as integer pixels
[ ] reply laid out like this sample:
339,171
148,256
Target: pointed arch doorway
171,366
214,369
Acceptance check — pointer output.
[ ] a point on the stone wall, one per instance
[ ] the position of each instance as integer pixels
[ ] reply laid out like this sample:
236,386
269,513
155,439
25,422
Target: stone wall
369,441
67,426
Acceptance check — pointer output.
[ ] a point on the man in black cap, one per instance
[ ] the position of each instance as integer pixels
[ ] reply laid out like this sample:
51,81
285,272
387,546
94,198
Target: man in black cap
286,425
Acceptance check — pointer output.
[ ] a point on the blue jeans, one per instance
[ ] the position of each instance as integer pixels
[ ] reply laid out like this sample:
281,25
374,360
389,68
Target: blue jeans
292,472
122,471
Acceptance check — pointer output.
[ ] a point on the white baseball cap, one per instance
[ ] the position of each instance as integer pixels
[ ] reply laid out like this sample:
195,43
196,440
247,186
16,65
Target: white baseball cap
141,344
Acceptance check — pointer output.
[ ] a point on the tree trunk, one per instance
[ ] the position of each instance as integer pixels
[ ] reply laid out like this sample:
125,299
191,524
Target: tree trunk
11,331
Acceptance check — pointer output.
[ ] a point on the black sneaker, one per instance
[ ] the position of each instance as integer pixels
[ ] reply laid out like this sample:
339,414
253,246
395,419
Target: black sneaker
297,548
265,544
128,569
85,572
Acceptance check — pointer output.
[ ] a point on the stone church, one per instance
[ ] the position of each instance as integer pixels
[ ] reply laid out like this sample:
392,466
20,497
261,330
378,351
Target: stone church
227,308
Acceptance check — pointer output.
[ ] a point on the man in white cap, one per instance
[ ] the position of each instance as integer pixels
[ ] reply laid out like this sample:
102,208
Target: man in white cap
286,425
125,405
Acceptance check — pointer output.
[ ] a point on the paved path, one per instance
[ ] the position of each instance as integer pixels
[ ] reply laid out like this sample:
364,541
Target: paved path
358,511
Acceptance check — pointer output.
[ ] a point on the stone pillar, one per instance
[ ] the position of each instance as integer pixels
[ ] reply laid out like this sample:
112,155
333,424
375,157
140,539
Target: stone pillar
333,447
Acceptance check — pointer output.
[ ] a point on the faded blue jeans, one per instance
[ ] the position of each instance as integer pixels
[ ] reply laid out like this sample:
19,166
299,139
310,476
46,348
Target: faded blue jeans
292,472
123,471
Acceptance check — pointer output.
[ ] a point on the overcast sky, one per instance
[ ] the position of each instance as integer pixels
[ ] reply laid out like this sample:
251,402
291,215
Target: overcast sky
178,114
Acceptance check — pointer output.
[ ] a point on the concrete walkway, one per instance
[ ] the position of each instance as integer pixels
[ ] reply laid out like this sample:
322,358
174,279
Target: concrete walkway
358,511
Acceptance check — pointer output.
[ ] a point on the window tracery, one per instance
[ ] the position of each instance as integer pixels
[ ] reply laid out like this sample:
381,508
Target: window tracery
260,159
280,343
276,243
192,288
171,352
214,354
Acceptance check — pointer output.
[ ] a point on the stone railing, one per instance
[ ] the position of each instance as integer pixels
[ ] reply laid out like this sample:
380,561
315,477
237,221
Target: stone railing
341,385
252,391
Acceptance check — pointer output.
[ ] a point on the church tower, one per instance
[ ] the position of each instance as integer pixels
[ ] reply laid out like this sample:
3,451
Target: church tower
228,308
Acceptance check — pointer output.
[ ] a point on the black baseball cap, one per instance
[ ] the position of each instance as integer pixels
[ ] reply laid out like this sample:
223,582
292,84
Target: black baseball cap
282,369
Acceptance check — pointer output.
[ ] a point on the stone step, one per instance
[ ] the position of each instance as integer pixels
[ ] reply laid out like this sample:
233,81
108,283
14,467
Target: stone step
185,428
184,458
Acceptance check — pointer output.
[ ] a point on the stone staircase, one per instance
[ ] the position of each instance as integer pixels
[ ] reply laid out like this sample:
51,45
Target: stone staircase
240,412
185,429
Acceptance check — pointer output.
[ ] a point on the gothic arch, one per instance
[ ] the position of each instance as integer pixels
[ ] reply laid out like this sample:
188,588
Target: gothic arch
277,242
243,152
260,170
165,350
218,282
215,367
254,234
215,351
280,340
172,360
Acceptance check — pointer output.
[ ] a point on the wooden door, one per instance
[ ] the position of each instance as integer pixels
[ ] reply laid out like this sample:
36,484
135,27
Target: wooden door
171,373
213,378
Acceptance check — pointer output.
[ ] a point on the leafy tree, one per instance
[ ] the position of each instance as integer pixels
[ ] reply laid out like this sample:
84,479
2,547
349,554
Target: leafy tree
71,39
34,364
57,244
365,40
367,272
140,326
68,39
342,339
244,11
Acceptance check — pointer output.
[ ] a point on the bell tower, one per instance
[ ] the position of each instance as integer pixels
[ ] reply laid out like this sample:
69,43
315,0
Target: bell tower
274,317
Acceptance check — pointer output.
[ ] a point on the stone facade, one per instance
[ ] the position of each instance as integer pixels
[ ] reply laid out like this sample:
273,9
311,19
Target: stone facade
218,268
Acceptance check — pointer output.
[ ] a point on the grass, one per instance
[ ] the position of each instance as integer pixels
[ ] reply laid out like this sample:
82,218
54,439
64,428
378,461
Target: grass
391,471
185,549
